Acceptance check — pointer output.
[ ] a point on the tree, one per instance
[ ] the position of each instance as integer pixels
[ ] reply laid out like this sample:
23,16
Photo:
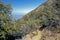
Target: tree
6,24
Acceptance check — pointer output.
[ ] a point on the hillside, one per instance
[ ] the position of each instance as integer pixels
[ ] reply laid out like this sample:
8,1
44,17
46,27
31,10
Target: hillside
45,18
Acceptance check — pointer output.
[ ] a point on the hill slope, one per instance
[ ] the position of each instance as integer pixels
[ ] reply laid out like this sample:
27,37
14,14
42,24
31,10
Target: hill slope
45,17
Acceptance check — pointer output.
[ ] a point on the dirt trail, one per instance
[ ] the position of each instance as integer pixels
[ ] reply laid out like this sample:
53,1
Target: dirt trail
35,35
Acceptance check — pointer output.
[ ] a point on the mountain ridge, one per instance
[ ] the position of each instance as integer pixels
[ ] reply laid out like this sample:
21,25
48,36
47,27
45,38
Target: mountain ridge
45,17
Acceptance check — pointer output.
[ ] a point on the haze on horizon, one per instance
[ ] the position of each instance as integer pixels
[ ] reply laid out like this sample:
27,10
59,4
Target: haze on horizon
22,7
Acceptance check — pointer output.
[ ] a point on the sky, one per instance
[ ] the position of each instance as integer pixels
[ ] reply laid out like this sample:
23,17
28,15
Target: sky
22,7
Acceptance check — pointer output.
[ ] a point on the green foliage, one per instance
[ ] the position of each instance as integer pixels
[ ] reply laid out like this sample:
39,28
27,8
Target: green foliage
6,23
46,14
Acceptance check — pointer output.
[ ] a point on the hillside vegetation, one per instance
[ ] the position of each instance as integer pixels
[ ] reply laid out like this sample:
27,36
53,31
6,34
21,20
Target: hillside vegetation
42,23
45,16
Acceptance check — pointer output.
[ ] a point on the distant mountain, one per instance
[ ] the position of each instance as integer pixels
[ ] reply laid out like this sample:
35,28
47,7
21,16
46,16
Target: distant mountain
45,18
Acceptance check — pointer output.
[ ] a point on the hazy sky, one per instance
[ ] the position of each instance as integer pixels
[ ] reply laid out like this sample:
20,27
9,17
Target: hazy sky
22,7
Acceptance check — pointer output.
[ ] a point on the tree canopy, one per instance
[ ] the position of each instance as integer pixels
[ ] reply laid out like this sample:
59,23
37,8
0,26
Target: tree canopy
6,25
